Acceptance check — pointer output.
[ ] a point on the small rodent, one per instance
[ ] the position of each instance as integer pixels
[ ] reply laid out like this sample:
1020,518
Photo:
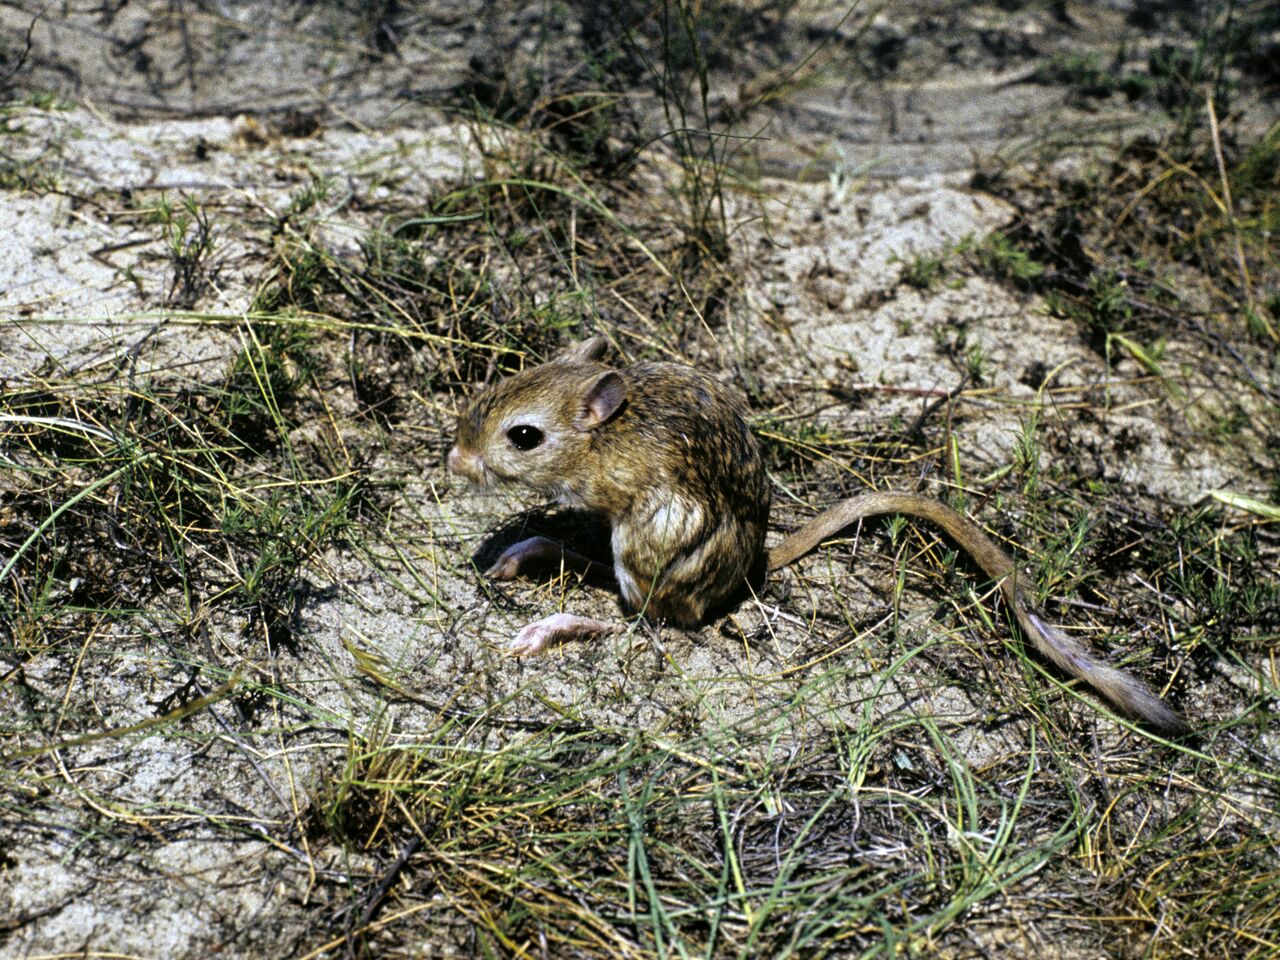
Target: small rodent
664,453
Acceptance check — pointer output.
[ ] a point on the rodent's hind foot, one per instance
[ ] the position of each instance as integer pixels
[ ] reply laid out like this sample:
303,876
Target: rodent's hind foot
541,552
557,628
520,556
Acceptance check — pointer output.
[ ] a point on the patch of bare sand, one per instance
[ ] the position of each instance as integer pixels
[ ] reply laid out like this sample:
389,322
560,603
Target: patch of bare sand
827,282
85,271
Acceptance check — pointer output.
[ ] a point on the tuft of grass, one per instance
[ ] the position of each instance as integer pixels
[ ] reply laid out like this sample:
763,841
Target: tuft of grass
1088,76
1188,206
1105,250
682,81
48,100
1221,576
1027,452
27,174
171,491
923,270
190,244
1001,256
618,842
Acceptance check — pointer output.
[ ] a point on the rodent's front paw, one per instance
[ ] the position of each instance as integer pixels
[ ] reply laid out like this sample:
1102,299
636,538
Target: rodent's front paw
557,628
520,555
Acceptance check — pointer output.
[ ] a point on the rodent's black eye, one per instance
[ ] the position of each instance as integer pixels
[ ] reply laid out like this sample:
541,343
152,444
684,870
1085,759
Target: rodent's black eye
524,437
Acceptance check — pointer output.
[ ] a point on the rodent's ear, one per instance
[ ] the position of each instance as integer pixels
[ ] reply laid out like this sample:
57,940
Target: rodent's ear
601,400
587,350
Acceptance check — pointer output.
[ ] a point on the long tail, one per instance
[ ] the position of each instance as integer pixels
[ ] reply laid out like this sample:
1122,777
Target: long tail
1128,694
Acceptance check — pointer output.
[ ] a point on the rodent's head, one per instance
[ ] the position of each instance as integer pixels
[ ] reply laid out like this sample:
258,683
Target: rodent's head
535,426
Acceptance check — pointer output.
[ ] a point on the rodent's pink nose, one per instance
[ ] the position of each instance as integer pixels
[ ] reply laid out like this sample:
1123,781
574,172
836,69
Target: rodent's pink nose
466,464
